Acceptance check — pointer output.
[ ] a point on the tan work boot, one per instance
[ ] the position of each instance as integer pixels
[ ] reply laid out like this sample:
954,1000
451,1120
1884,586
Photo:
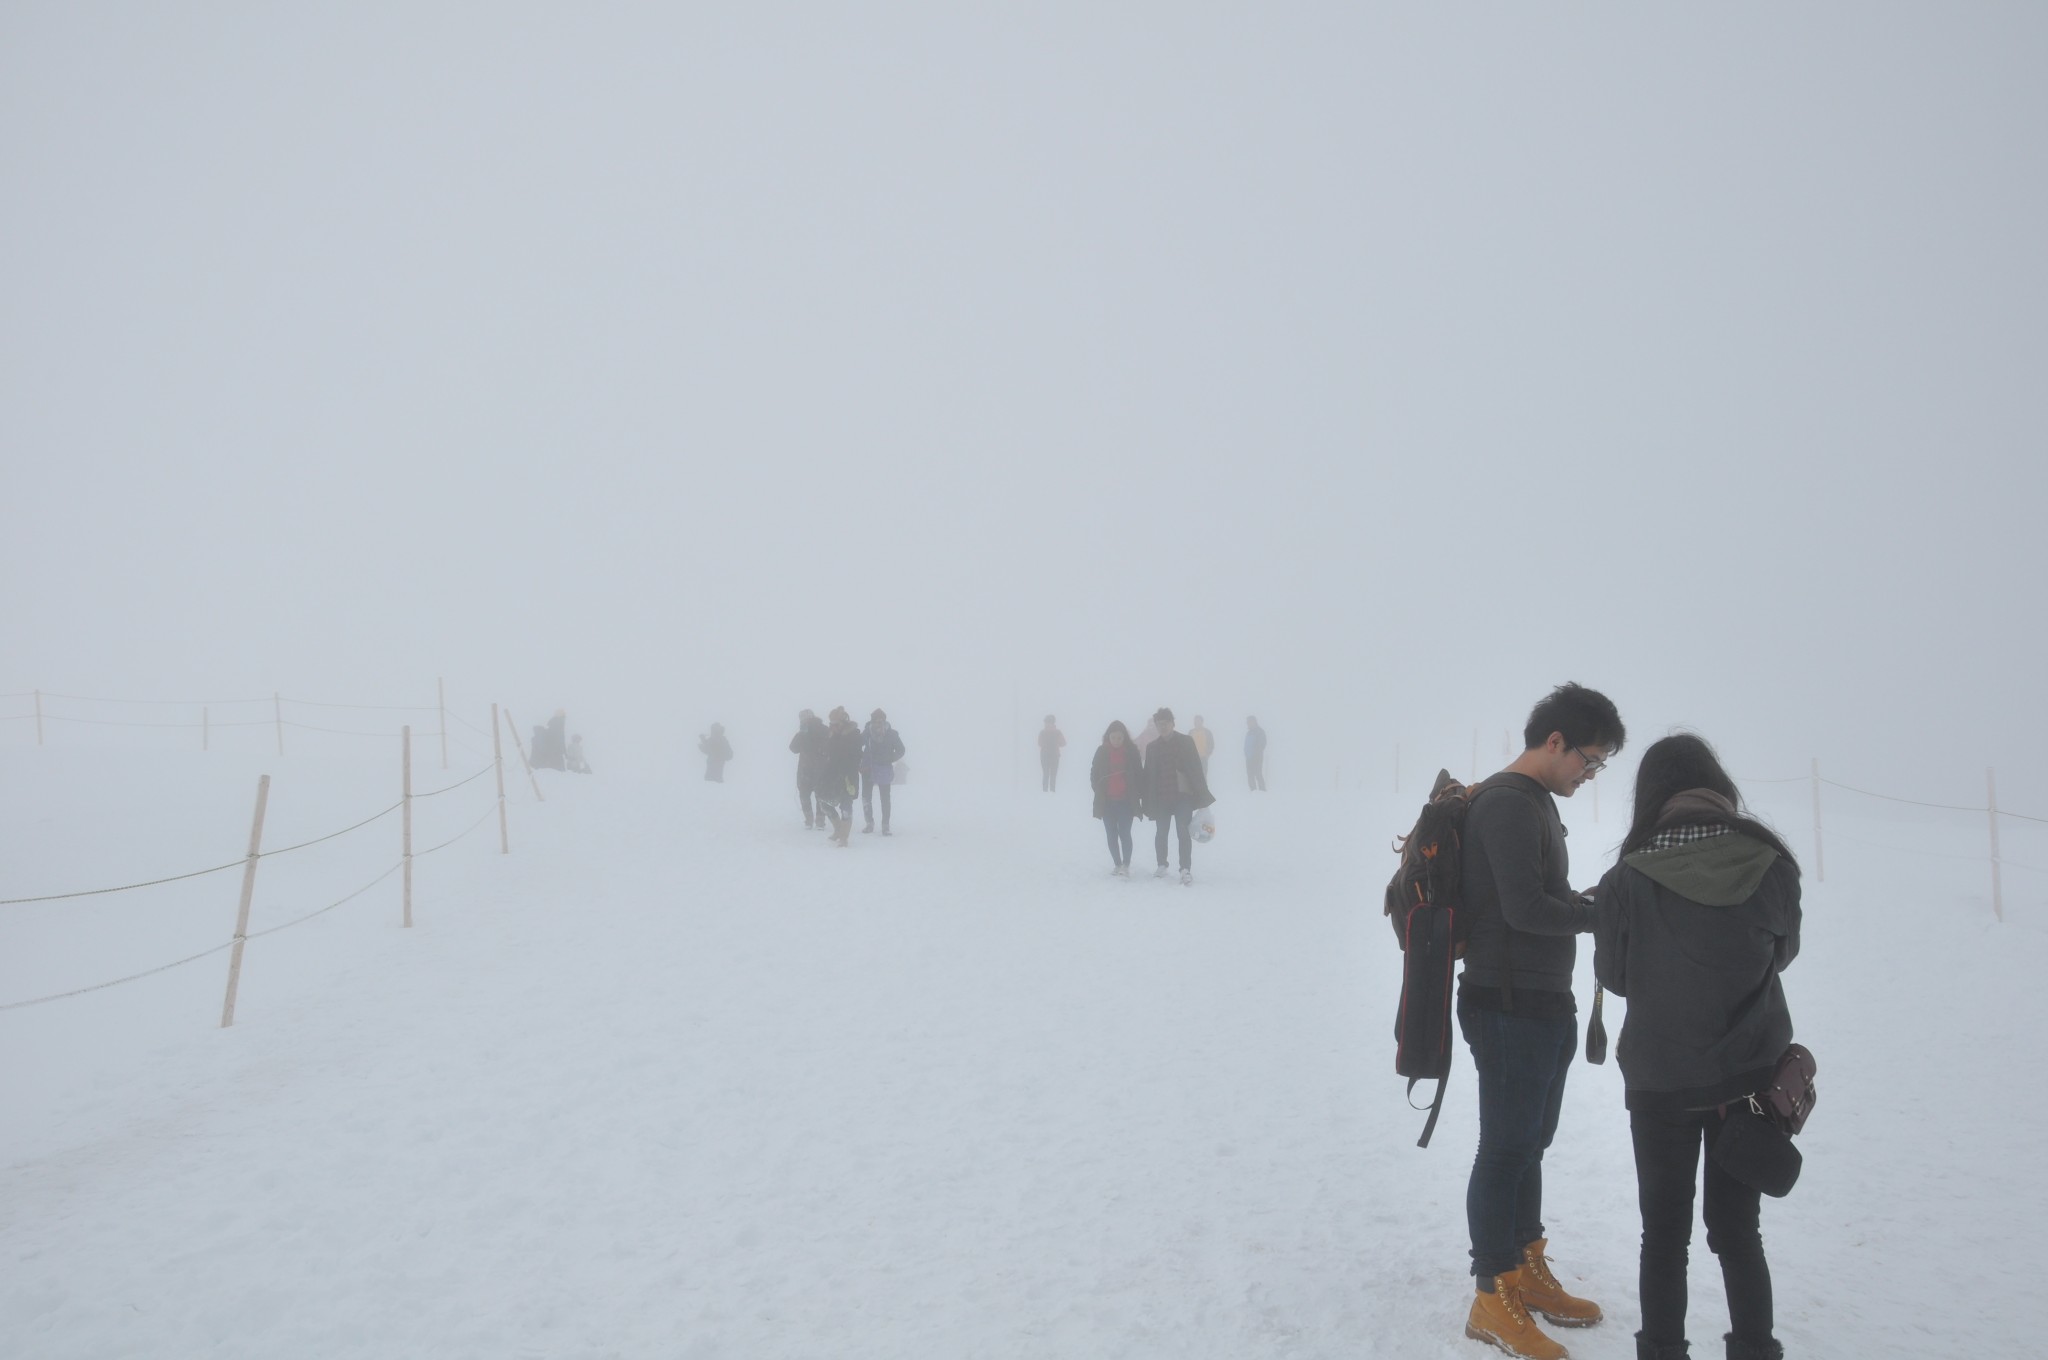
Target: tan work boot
1541,1293
1501,1320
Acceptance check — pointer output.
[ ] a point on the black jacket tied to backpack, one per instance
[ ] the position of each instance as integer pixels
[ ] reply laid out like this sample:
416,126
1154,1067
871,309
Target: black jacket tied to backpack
1522,914
1695,935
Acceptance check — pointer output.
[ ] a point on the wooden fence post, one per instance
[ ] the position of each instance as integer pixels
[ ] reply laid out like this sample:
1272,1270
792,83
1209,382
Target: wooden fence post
227,1013
1820,865
441,689
498,760
405,797
520,746
39,717
277,710
1997,896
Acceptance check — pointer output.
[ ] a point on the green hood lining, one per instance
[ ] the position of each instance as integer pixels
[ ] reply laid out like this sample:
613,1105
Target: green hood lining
1721,871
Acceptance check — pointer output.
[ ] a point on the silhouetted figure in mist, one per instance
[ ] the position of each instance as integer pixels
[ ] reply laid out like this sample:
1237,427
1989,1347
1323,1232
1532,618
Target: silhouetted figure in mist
880,749
1114,775
1050,740
1205,743
808,745
839,775
1255,755
1147,734
717,750
572,756
550,745
1174,787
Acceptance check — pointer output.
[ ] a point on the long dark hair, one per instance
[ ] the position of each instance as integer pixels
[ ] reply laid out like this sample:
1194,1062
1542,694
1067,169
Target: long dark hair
1116,726
1675,764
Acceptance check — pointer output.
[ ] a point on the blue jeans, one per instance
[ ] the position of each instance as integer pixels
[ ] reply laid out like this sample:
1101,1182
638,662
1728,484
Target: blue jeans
1522,1065
1116,823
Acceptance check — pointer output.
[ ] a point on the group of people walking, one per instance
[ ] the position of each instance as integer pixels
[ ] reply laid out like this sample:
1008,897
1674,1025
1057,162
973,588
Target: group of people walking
1165,779
1051,741
1693,925
837,762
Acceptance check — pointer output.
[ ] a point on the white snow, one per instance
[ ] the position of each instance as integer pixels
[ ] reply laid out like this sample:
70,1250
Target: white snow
674,1079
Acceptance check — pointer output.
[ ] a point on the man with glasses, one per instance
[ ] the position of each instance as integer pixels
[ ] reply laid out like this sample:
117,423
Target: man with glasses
1517,1013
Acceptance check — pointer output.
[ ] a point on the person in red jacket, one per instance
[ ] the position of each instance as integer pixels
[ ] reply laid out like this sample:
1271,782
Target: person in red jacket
1114,777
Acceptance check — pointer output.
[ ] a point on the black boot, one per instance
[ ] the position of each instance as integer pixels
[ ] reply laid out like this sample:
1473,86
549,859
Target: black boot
1738,1349
1647,1349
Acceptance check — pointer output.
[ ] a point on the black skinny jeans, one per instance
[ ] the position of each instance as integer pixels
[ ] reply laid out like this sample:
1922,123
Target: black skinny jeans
1179,813
1667,1169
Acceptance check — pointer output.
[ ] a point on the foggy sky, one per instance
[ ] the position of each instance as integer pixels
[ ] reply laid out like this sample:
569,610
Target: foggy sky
1369,368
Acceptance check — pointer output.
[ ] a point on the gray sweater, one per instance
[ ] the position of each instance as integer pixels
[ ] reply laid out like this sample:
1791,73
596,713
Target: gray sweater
1518,896
1695,937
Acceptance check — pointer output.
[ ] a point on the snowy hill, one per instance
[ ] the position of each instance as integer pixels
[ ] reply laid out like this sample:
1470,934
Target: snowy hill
674,1079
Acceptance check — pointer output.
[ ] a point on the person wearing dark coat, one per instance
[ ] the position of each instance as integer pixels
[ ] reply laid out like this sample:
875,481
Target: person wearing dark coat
1050,742
1115,774
717,750
1693,926
808,745
880,749
1255,755
1173,787
839,775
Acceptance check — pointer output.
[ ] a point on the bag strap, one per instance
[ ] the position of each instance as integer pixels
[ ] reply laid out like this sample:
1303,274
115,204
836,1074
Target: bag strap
1436,1107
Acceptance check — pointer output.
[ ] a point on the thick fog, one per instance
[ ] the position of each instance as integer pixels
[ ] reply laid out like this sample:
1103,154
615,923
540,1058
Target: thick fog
1369,369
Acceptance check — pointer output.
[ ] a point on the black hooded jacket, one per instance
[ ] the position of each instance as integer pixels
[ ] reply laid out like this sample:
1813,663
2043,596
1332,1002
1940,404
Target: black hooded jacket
809,747
1695,935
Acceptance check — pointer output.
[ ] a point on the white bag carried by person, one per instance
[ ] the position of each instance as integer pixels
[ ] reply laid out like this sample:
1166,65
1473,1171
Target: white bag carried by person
1203,825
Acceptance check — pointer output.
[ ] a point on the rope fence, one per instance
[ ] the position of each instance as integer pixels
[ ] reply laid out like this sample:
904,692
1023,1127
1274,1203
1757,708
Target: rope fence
284,713
257,854
1988,809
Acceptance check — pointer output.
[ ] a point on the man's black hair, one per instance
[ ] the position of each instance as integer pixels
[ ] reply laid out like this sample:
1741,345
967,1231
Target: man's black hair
1585,716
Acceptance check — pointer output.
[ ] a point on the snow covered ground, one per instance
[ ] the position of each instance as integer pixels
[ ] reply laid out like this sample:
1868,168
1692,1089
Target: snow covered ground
675,1080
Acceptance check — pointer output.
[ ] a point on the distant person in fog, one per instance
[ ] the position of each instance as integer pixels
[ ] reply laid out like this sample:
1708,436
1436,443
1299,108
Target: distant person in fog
880,749
1114,776
1205,743
717,750
1173,787
1050,740
1255,755
1147,734
808,745
839,775
573,758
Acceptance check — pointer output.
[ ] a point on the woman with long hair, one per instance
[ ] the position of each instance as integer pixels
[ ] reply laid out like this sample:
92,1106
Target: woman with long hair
1114,777
1693,926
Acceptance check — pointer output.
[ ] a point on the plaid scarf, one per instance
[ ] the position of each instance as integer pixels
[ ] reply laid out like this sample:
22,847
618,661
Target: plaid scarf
1672,836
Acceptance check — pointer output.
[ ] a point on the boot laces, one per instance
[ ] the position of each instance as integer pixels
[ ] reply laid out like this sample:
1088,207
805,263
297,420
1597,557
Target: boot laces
1511,1299
1539,1270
